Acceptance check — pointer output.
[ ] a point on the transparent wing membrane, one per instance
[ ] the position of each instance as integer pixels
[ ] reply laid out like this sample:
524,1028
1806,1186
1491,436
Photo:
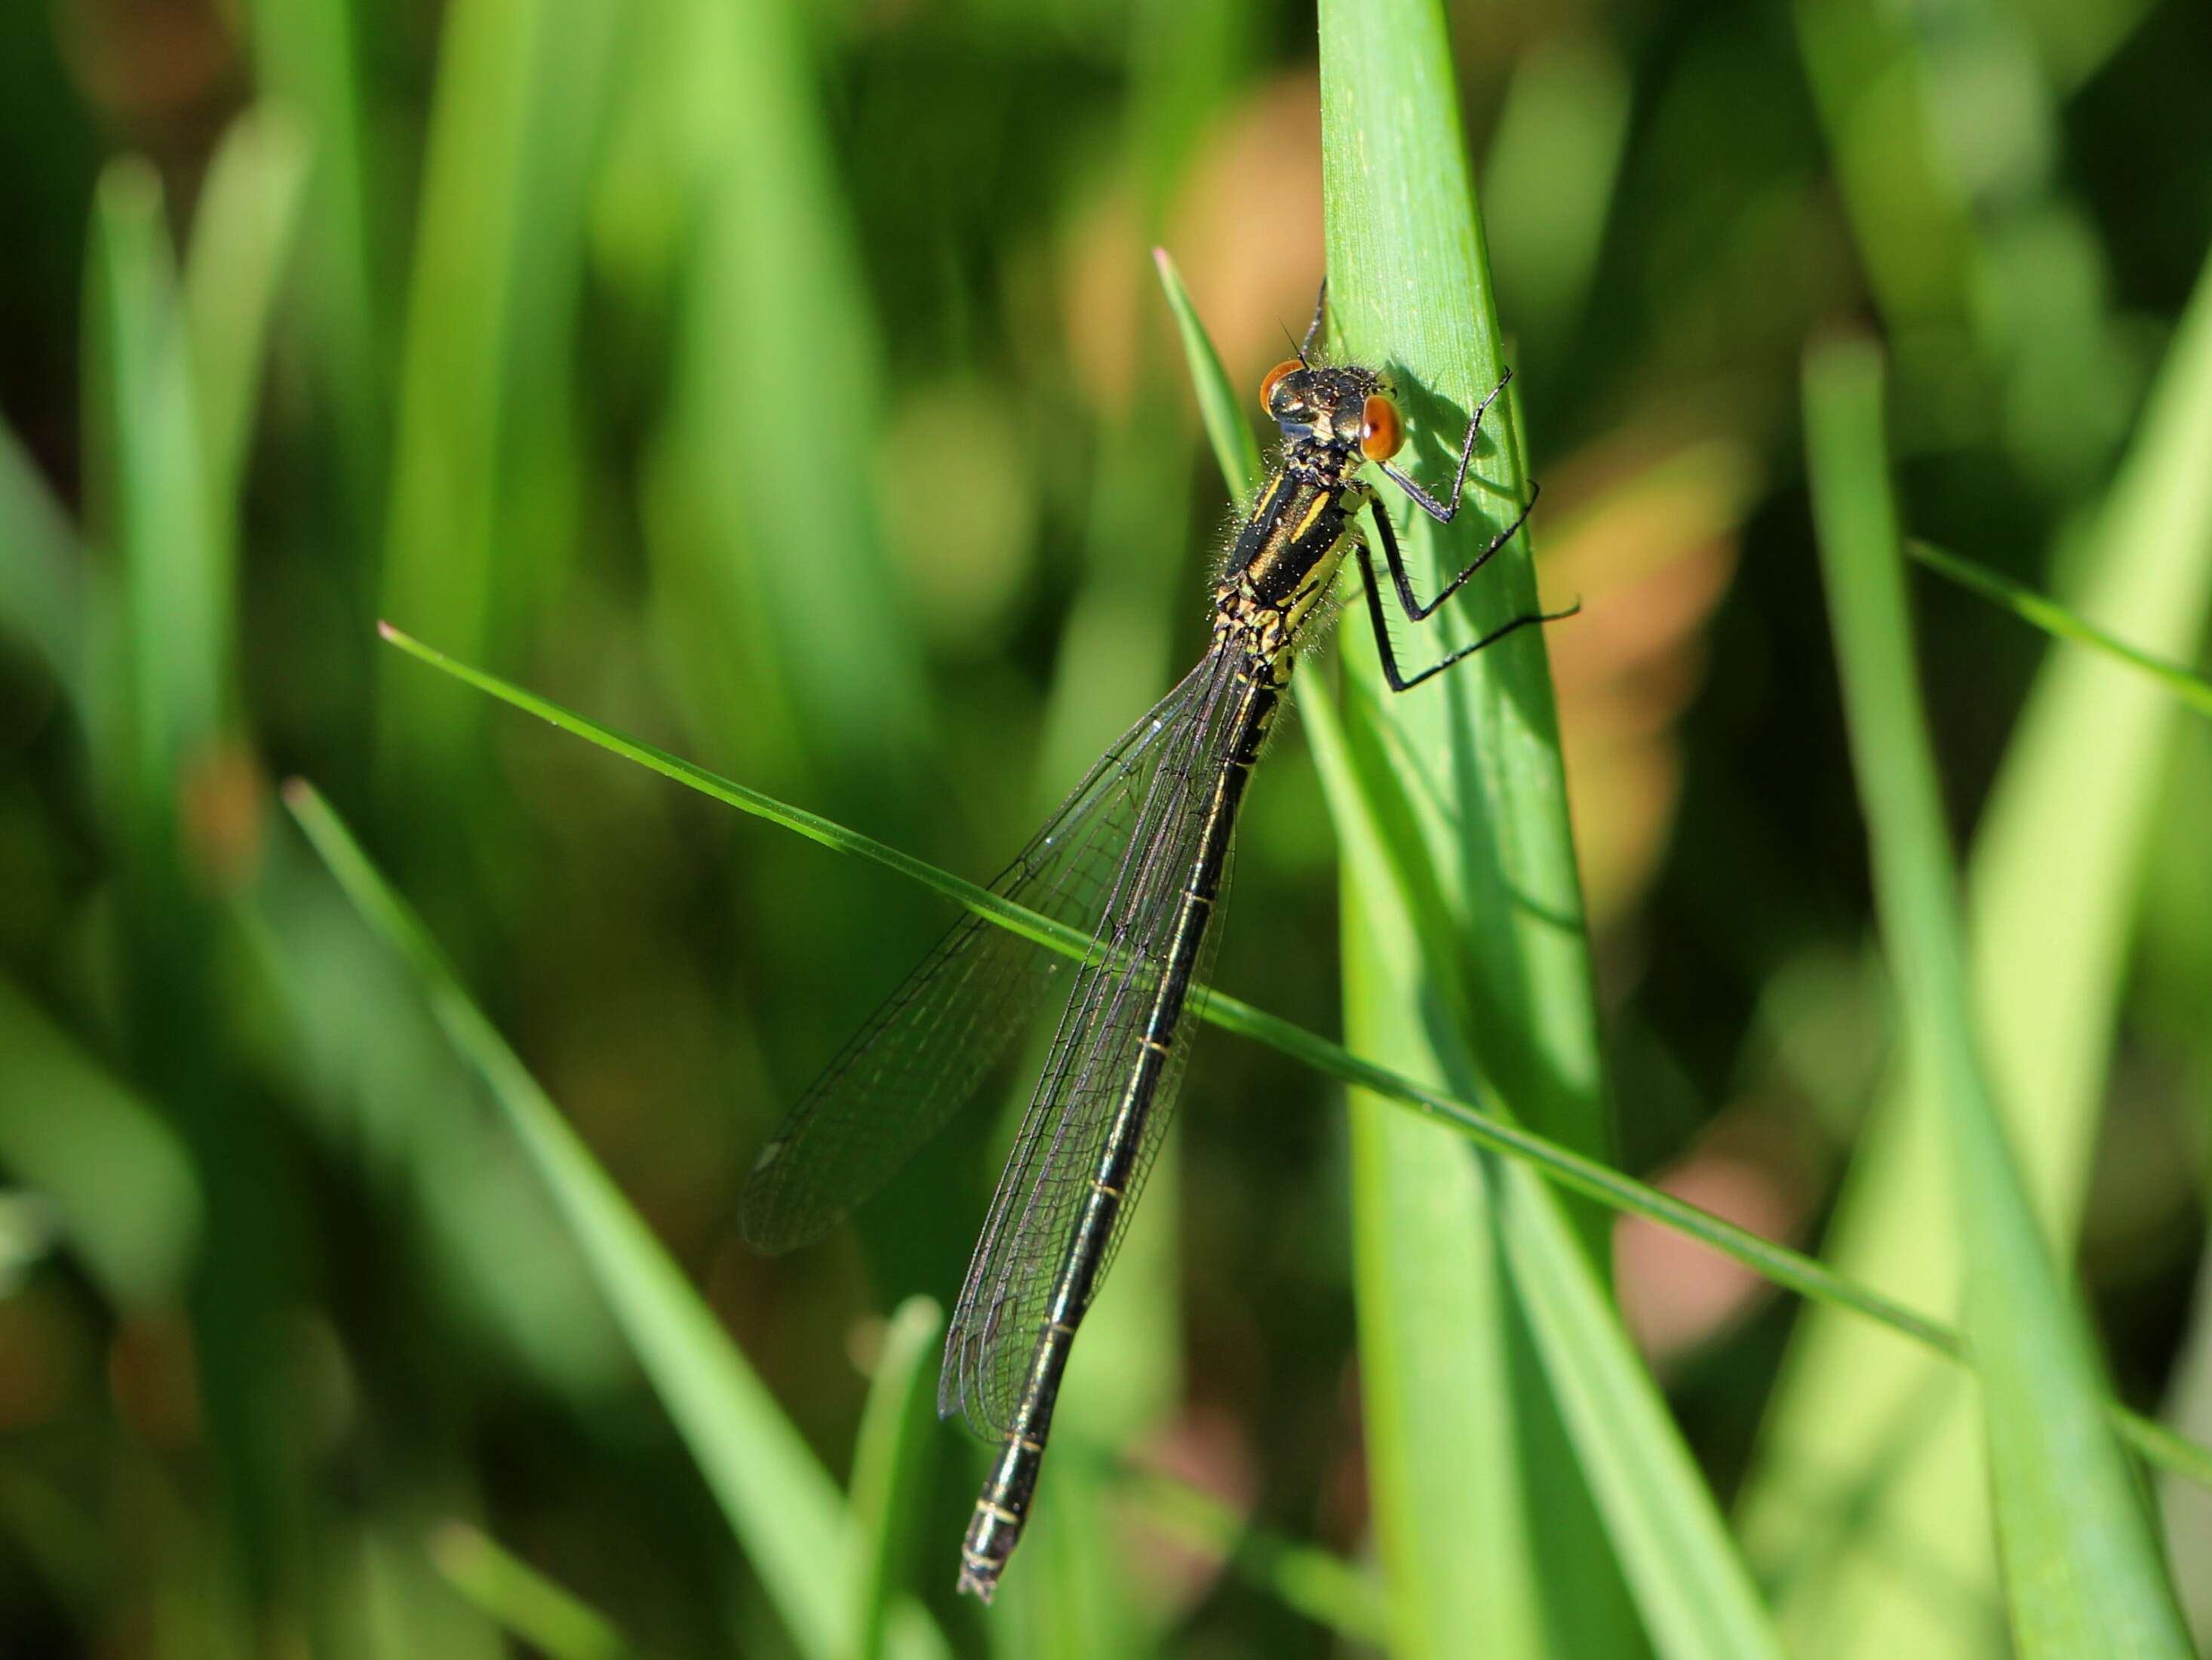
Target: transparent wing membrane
1005,1308
922,1054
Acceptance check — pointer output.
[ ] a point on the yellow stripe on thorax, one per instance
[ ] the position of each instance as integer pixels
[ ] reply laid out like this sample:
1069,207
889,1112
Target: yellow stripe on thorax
1322,502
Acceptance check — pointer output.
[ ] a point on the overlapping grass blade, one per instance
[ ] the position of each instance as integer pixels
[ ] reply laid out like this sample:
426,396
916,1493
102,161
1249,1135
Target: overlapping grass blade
1880,1563
781,1504
1590,1178
2082,1570
162,732
779,363
1465,952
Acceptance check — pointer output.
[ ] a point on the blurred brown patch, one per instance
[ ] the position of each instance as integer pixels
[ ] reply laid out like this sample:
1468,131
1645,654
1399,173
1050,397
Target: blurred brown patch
1207,1449
1677,1294
42,1358
166,70
1245,230
154,1380
1642,529
223,803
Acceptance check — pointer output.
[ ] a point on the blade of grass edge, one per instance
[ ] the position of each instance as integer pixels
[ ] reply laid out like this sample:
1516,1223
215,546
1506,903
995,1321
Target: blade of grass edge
1686,1578
1484,1514
42,597
1593,1179
1474,764
2083,1573
521,1600
890,1463
2059,622
1866,1458
1227,431
242,236
783,1506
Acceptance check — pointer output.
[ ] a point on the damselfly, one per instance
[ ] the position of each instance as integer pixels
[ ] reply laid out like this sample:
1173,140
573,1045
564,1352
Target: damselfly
1137,858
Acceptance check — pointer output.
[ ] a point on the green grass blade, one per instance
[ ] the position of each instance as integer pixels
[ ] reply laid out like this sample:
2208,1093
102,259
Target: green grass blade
41,583
1465,952
1227,429
1475,754
117,1175
161,725
242,237
520,87
308,58
1688,1582
776,298
890,1463
1463,956
2083,1573
2078,794
1590,1178
2061,622
175,616
781,1505
520,1600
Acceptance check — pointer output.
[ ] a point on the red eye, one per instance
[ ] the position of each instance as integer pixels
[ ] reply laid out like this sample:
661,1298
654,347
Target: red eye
1267,386
1380,429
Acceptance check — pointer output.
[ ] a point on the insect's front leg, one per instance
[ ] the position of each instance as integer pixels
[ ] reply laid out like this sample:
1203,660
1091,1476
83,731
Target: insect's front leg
1415,610
1444,512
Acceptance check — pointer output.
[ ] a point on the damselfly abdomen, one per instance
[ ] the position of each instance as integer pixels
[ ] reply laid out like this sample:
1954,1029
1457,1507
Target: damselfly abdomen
1136,859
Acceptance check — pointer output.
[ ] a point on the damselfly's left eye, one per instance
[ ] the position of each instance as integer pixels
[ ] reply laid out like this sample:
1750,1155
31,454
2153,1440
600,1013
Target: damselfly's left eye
1381,432
1267,386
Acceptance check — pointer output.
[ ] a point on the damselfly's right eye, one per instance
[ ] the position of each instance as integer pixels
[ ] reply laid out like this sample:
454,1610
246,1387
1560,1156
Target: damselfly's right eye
1274,374
1380,433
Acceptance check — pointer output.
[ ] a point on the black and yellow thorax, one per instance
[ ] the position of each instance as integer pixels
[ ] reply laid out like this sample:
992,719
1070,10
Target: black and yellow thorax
1284,558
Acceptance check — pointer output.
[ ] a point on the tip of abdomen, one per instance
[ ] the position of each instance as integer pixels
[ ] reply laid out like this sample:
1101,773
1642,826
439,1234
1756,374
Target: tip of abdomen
993,1534
979,1576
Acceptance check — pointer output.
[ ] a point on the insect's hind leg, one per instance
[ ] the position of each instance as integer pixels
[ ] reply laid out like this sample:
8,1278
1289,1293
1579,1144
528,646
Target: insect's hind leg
1399,681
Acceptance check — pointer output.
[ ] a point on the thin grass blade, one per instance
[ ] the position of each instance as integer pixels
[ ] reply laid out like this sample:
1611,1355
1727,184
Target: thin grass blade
1898,1558
2061,622
2082,1570
242,237
521,1600
891,1459
1227,430
1486,1126
781,1504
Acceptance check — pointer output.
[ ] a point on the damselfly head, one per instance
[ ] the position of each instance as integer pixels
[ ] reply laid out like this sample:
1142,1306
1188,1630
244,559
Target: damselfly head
1338,408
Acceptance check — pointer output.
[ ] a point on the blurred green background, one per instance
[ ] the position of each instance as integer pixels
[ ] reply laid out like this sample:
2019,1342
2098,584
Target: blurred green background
788,385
